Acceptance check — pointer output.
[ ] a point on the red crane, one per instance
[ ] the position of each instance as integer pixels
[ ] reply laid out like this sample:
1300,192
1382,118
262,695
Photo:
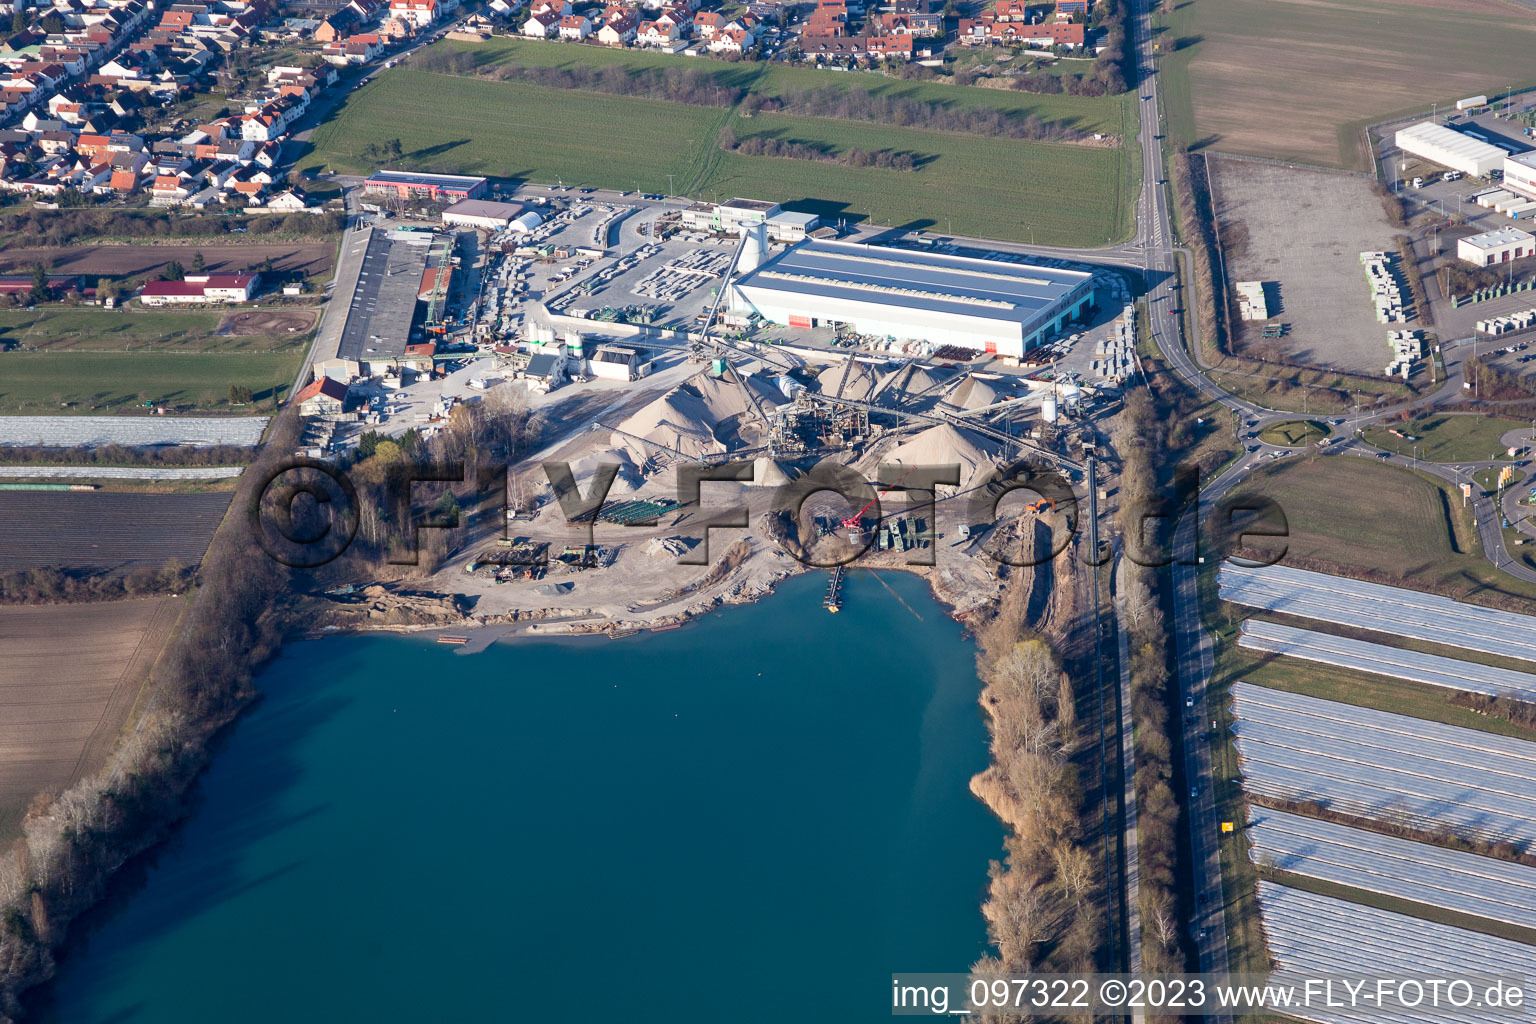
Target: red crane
853,521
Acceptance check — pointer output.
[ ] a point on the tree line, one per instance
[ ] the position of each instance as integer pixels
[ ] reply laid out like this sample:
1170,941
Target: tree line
678,85
57,586
862,105
767,145
126,455
61,227
1138,433
1045,901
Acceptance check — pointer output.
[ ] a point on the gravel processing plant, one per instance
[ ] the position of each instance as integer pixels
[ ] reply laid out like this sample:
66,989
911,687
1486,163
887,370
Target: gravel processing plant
1383,766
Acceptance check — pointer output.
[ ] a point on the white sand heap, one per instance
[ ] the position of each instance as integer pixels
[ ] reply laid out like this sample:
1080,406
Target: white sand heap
972,394
627,481
767,473
698,418
670,547
945,445
861,381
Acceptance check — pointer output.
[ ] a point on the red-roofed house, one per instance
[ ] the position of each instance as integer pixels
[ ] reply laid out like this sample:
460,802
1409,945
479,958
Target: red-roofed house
200,288
620,28
898,47
708,24
324,396
540,26
418,12
575,26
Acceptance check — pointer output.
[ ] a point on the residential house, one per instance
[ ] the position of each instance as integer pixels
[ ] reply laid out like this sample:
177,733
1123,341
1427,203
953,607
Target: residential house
420,13
892,47
575,26
708,24
620,26
657,33
540,26
732,40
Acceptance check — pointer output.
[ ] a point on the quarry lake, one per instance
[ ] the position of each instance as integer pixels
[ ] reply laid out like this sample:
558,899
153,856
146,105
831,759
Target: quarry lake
758,817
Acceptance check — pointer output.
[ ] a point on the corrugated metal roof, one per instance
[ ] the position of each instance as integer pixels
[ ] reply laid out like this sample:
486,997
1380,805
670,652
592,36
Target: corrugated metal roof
1451,142
921,282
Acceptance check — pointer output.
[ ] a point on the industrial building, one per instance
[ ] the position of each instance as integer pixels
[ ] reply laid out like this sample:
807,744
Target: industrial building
408,185
481,213
729,218
979,304
1520,174
1498,246
1452,149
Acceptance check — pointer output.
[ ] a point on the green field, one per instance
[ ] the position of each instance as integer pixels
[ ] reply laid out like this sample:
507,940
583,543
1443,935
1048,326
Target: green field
1367,517
1086,113
99,330
512,130
998,188
85,382
1297,80
1449,438
85,360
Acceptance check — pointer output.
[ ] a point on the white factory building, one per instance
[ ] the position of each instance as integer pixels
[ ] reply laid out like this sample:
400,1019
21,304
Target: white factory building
1456,150
481,213
979,304
1520,174
1498,246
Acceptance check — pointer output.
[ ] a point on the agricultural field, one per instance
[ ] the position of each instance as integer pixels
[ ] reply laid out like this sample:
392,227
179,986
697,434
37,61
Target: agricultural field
64,382
59,716
1401,527
121,262
88,360
116,533
1297,80
1057,194
1085,113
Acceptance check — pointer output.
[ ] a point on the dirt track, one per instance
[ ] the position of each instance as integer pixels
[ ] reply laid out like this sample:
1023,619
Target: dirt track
125,261
69,675
267,322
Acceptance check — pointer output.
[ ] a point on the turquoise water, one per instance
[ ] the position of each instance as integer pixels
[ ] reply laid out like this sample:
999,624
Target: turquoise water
754,818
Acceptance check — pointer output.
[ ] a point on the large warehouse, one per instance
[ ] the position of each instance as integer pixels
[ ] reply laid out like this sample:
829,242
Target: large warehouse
986,305
1450,149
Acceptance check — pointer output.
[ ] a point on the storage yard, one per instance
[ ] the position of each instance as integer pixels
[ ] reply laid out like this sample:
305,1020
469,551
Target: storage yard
1301,232
1386,767
1384,609
1312,936
1466,883
1362,656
